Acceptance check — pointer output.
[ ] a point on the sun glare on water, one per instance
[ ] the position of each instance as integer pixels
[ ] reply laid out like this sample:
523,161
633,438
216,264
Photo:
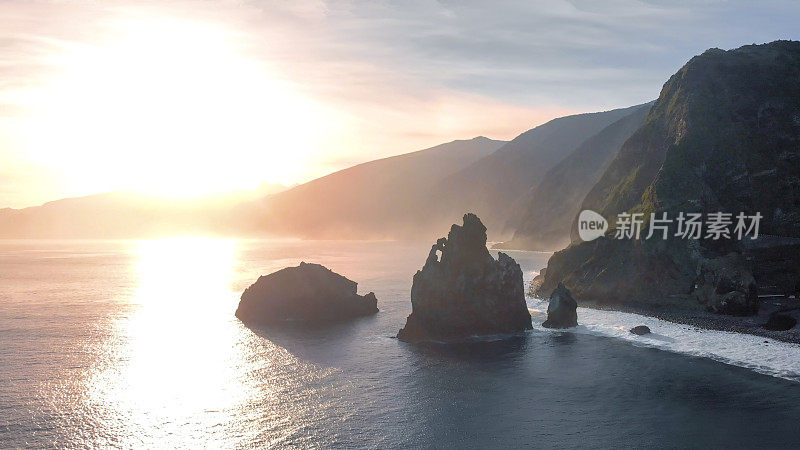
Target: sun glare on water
175,360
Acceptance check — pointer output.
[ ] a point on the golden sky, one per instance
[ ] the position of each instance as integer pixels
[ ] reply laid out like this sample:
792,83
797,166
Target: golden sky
196,97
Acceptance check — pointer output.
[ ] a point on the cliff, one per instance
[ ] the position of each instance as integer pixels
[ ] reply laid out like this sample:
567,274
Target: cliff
542,220
723,136
496,186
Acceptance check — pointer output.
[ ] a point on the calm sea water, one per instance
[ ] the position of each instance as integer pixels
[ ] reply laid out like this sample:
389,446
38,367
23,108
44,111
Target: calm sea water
134,344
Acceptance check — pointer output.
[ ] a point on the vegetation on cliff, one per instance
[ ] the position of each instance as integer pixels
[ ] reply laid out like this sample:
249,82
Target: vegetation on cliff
723,136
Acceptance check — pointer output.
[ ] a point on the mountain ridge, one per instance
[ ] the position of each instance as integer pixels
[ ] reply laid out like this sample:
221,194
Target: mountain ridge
491,186
545,214
383,198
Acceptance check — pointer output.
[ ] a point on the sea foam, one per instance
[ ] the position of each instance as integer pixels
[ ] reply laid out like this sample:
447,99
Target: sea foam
763,355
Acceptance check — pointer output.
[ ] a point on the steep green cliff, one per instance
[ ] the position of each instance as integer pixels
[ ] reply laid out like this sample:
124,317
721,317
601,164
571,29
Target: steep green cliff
724,135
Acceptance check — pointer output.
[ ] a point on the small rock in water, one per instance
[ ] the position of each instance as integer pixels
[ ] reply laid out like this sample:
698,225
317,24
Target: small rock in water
562,310
640,330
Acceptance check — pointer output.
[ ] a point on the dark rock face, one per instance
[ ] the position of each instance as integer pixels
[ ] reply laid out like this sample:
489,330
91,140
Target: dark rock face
562,310
308,292
466,292
724,136
780,322
776,265
640,330
724,286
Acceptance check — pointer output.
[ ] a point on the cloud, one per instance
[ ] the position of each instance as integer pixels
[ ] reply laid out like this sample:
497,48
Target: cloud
400,76
526,53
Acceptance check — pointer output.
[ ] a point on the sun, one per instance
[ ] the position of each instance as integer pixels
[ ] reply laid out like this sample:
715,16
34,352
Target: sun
170,107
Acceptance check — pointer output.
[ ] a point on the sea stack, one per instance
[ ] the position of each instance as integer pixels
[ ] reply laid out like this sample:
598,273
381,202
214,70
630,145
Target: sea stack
465,292
562,312
308,292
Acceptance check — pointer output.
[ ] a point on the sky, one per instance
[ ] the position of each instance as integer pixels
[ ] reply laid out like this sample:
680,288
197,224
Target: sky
184,98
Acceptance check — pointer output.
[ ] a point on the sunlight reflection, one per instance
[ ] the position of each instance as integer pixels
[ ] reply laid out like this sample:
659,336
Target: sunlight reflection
177,356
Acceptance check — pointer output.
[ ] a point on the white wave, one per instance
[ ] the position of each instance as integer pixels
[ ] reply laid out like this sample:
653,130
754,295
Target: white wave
763,355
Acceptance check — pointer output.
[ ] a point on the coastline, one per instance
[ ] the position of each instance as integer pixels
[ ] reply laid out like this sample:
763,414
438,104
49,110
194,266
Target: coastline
706,320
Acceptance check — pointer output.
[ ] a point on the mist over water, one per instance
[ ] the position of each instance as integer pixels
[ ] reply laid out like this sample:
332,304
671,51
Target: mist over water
134,344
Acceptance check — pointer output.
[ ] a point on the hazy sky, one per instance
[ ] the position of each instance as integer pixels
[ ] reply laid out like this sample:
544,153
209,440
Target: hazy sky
192,97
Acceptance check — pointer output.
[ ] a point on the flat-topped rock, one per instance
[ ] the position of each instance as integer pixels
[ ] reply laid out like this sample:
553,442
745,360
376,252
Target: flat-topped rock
465,292
308,292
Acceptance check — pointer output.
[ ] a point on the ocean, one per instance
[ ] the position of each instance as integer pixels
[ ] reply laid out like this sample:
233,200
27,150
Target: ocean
134,344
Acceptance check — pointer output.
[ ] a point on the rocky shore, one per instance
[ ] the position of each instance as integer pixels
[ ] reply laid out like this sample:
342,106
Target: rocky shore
711,321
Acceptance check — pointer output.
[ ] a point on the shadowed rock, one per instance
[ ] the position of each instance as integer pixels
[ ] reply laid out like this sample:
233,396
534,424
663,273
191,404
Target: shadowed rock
466,292
640,330
562,310
780,322
308,292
